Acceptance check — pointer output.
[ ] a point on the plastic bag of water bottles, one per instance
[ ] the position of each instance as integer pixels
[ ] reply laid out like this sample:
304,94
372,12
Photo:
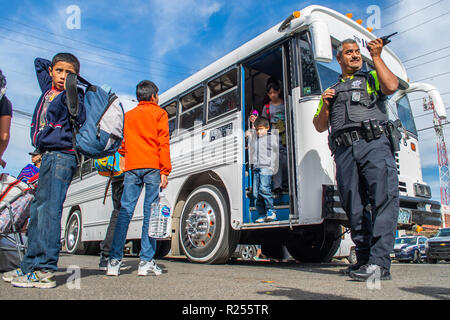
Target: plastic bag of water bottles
160,226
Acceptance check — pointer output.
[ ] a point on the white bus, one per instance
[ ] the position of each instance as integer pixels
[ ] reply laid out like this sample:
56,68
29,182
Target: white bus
210,185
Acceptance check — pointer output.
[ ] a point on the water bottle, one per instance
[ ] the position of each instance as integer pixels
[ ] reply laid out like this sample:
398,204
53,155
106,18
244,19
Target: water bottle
160,226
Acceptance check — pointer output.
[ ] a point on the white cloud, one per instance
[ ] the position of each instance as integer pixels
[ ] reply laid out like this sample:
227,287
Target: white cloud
178,21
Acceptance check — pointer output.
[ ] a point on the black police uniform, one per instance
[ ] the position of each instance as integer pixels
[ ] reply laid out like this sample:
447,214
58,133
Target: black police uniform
366,171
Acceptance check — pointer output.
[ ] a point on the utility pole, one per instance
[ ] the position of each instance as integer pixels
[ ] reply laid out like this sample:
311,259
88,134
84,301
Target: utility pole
444,170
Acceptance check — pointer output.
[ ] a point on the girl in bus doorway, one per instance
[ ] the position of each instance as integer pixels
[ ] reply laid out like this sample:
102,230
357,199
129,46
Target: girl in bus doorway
274,111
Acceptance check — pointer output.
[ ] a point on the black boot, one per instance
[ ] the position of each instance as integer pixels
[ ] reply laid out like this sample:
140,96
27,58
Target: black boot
352,267
370,271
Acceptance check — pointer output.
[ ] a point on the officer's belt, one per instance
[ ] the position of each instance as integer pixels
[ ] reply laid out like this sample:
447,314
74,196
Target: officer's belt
347,138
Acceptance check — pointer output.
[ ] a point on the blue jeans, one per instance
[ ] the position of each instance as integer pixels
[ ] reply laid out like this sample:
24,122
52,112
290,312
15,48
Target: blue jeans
133,183
44,229
262,190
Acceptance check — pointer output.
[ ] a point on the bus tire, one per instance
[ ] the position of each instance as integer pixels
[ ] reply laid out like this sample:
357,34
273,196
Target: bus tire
162,248
92,248
72,236
273,251
318,246
206,235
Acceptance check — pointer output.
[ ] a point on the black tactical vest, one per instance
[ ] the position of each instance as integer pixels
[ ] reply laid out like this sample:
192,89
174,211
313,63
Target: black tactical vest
353,104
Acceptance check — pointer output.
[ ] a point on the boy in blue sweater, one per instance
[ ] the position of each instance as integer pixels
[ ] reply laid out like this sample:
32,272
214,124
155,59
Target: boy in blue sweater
51,134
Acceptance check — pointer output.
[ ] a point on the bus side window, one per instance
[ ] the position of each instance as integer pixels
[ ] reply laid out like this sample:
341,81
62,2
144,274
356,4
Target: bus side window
86,168
171,110
310,80
192,108
223,94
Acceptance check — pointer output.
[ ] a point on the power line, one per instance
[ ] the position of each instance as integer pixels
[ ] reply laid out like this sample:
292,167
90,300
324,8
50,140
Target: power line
20,125
95,46
22,113
422,23
390,6
77,49
419,65
89,60
442,94
426,114
425,54
392,22
394,4
432,127
434,76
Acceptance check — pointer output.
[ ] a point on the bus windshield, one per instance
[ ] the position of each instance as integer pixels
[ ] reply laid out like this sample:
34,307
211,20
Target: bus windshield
405,115
329,72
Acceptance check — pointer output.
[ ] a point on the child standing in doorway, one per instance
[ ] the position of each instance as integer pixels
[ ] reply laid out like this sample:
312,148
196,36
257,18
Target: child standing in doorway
264,158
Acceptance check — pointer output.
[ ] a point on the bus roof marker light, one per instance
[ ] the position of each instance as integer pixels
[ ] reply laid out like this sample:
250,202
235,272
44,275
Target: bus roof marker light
413,146
287,21
359,21
349,15
369,29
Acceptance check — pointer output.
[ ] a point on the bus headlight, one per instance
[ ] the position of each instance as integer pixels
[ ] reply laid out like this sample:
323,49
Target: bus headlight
422,190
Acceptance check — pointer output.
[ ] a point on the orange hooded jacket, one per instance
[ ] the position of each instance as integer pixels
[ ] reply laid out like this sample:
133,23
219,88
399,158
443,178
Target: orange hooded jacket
146,138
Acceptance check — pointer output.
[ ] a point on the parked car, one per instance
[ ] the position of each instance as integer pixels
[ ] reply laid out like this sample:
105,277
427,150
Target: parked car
438,247
346,249
410,248
246,252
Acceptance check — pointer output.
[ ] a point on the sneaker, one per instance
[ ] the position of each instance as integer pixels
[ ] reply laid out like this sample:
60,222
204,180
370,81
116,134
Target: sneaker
370,271
113,268
149,268
103,265
36,279
11,275
352,267
260,220
271,215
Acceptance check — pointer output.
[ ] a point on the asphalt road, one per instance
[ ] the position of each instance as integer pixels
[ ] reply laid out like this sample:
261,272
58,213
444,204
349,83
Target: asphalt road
79,279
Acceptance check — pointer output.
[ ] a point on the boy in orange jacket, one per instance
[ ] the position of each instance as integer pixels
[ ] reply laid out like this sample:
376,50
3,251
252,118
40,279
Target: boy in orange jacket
147,164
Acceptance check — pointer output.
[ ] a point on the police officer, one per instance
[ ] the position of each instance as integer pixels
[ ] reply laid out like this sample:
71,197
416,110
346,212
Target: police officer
354,112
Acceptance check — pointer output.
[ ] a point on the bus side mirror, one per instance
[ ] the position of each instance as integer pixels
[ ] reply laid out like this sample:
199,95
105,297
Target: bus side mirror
439,105
432,93
321,41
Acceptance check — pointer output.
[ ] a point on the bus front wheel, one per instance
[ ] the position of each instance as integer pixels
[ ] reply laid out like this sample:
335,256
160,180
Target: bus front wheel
206,235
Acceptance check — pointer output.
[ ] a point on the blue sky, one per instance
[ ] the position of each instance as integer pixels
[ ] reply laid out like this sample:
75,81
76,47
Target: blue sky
123,42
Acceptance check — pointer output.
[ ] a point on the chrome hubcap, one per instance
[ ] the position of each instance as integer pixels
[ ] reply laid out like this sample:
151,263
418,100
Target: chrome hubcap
201,224
72,234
